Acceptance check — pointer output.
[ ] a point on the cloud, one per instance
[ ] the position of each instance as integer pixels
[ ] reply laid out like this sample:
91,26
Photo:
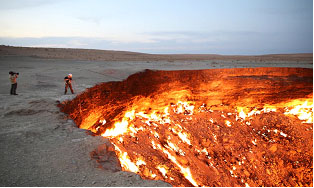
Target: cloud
215,42
201,37
129,38
21,4
90,19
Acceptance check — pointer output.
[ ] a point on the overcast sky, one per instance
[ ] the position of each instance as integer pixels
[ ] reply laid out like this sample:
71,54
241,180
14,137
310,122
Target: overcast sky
243,27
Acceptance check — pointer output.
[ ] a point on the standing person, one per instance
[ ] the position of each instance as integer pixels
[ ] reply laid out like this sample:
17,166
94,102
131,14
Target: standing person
13,76
68,83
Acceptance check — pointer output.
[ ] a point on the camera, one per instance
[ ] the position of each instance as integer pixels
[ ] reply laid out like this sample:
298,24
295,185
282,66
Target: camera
12,73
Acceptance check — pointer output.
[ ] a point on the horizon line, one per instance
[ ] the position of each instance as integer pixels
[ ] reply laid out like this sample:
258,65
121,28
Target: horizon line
112,50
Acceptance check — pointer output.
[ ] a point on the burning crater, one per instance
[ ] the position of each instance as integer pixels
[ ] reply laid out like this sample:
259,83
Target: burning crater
223,127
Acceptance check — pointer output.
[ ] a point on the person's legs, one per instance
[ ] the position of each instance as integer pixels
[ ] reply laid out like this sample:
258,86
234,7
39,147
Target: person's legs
66,88
71,88
14,88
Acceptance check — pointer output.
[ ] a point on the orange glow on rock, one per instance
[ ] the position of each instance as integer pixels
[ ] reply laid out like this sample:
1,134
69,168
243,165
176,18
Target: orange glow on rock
224,127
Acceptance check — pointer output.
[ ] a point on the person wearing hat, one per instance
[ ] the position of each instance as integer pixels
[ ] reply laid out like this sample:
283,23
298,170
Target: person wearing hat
13,76
68,83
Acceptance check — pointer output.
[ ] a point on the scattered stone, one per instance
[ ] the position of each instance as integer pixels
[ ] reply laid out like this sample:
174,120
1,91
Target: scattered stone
273,148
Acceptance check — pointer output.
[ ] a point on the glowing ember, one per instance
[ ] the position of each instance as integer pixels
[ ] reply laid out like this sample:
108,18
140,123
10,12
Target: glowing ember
303,110
119,127
225,127
125,161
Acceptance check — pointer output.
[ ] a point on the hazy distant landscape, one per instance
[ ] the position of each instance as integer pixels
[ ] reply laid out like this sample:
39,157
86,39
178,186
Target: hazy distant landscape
107,55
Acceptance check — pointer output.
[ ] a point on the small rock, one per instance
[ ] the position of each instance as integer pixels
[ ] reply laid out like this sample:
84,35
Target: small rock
182,160
246,173
273,148
146,172
138,178
299,150
268,171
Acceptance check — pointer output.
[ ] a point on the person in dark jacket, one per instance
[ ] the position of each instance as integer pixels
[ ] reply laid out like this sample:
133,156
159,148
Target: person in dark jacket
13,76
68,83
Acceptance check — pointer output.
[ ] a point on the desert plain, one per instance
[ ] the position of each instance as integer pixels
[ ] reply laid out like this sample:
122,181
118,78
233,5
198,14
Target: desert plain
40,146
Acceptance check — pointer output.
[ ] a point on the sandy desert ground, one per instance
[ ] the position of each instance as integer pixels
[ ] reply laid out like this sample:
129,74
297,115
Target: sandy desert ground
41,147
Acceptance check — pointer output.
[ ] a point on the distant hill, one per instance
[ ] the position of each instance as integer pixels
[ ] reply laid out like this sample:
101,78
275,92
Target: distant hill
109,55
